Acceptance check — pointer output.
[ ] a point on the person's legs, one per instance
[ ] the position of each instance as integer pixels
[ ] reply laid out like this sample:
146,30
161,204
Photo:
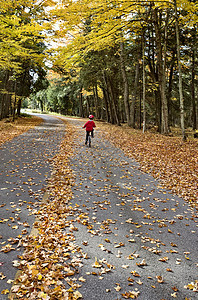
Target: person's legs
87,134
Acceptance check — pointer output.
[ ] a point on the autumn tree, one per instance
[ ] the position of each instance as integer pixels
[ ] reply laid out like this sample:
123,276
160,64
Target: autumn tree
21,49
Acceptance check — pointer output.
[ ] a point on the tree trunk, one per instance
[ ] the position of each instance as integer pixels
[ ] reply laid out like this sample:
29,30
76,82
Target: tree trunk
112,97
143,85
194,115
4,96
180,74
108,97
140,110
41,105
126,85
88,106
19,106
161,72
15,101
81,113
106,104
134,95
170,83
96,101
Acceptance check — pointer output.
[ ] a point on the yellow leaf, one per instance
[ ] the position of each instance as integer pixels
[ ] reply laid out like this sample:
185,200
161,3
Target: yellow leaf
5,292
35,272
117,288
82,279
77,295
15,227
96,264
40,277
107,241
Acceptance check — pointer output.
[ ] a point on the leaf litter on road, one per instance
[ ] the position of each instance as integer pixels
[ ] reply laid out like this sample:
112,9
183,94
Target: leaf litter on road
53,259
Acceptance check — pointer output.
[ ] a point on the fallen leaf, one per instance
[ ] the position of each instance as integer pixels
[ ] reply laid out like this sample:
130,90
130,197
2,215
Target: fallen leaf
77,295
142,263
134,273
82,279
118,288
125,266
5,292
174,295
160,279
96,264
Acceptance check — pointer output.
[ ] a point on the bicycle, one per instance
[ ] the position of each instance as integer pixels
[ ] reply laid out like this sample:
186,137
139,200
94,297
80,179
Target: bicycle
89,135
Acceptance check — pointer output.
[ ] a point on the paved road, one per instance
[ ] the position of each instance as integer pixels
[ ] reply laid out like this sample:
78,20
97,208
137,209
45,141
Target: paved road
24,169
132,224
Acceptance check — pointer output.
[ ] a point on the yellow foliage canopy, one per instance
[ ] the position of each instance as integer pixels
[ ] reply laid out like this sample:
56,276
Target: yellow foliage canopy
86,25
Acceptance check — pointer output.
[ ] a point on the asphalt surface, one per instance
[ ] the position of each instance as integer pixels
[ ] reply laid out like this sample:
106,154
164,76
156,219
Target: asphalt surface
24,170
134,233
131,224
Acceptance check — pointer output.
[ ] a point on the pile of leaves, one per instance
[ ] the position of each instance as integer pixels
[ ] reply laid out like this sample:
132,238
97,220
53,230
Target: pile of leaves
51,257
9,129
169,159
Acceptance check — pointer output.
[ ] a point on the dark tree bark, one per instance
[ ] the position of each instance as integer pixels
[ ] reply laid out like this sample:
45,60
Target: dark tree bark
19,106
154,76
96,101
108,98
170,81
161,74
194,115
114,104
15,101
134,95
3,109
88,106
143,85
126,85
180,74
81,111
106,104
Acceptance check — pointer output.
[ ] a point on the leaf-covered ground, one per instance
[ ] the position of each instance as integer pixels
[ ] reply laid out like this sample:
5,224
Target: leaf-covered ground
169,159
132,226
51,254
52,263
9,129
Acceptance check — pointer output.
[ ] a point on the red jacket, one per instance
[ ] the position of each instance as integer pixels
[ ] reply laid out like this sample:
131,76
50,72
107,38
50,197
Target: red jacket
89,125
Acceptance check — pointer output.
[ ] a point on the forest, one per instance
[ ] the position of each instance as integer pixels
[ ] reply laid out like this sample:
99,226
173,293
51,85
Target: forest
124,61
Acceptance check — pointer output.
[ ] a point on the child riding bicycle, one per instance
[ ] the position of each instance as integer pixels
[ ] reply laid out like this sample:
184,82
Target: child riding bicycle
89,125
